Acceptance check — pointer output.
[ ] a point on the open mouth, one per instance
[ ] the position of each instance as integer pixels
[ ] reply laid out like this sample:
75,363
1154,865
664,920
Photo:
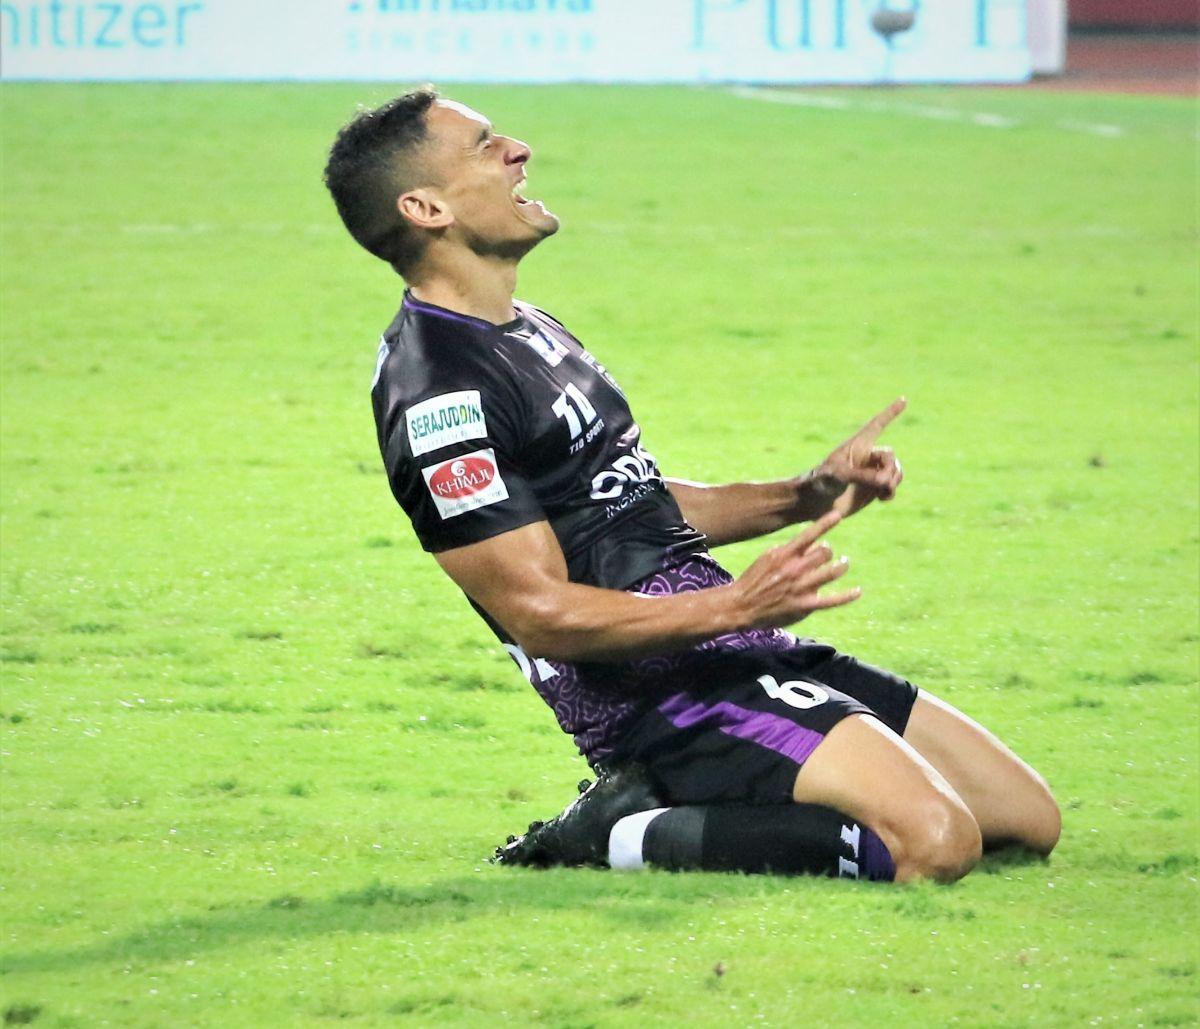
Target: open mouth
521,201
533,212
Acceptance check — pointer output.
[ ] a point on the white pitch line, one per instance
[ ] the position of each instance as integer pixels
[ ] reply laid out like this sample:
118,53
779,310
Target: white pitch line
775,96
995,121
927,111
1093,128
984,119
166,229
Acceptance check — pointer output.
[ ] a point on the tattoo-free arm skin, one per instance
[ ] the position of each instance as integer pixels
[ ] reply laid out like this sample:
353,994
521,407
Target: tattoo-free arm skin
746,510
850,478
520,579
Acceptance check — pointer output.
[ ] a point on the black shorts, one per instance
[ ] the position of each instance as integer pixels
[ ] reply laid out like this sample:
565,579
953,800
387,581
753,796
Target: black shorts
741,735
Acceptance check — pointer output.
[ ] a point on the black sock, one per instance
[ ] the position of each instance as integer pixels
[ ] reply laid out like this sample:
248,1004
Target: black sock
790,839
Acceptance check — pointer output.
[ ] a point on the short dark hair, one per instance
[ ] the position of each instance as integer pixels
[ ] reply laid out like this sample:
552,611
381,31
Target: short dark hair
371,163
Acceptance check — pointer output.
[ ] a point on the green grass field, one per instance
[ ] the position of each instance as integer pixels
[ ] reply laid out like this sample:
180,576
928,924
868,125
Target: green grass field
256,750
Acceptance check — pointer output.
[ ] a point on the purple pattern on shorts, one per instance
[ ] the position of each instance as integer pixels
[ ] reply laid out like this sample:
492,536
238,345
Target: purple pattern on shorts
774,732
596,702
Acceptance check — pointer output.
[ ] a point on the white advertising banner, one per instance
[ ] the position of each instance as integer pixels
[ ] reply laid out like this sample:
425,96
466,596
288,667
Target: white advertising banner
846,41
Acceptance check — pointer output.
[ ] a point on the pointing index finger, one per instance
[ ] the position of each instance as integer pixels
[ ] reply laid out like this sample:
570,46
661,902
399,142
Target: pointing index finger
814,532
870,432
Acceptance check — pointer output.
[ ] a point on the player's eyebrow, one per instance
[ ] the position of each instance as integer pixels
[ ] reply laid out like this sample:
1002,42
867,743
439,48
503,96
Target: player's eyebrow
484,134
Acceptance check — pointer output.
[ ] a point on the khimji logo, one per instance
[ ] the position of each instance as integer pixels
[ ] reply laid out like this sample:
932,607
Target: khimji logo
462,478
465,483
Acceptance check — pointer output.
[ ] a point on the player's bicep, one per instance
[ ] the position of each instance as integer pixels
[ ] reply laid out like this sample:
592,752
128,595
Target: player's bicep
515,576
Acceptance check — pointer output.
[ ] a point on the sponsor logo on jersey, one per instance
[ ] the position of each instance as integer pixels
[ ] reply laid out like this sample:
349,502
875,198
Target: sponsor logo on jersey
587,359
549,349
465,483
628,478
380,356
442,420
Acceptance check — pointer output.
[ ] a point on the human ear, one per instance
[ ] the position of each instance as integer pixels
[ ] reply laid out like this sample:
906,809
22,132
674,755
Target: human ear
424,209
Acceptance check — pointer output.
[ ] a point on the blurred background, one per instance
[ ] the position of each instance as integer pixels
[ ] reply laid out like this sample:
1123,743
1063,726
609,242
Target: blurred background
797,41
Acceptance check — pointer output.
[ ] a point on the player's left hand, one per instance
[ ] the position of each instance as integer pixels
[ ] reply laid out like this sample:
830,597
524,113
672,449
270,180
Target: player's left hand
866,472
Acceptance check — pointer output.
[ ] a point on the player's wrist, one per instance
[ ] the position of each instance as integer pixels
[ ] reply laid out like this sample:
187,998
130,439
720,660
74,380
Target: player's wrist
815,493
730,608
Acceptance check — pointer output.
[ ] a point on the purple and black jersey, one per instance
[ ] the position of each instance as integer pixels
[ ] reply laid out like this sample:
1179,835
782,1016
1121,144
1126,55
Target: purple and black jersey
485,428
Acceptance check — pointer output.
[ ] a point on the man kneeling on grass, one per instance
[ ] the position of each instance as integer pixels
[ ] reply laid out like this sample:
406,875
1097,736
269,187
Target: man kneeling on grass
721,740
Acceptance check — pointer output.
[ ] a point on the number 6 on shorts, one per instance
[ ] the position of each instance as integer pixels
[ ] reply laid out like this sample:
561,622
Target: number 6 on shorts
794,692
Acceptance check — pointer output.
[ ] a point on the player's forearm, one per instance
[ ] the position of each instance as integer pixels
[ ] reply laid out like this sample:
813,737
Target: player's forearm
584,623
745,510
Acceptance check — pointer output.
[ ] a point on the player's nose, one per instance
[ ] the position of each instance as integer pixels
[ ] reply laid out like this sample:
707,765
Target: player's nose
517,152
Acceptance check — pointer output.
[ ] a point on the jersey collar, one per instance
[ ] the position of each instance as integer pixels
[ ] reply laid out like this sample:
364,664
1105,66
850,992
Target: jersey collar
411,303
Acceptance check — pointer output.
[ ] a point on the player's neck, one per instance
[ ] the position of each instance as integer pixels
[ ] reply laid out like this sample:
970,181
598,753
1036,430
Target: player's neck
481,287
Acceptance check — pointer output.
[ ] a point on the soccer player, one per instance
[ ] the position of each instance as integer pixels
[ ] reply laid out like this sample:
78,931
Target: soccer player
722,740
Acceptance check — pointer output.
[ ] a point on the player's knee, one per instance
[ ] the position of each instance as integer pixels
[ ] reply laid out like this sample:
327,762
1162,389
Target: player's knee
942,843
1044,819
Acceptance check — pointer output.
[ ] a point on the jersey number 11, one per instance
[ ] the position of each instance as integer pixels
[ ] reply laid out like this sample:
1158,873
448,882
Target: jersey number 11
570,401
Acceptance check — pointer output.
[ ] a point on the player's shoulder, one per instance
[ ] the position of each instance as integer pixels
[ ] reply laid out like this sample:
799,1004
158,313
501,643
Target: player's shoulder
427,349
423,333
539,317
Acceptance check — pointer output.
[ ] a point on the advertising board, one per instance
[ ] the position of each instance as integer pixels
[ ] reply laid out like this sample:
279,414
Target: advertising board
784,41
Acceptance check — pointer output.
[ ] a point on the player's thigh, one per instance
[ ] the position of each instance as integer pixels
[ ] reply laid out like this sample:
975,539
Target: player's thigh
1010,801
865,770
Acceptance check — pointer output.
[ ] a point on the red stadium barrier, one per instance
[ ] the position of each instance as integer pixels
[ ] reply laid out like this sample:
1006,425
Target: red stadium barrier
1138,14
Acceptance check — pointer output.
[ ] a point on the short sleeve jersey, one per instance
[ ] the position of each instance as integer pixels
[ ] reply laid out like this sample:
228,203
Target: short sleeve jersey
485,428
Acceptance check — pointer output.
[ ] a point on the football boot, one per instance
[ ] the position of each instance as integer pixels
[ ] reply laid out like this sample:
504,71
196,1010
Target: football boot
579,836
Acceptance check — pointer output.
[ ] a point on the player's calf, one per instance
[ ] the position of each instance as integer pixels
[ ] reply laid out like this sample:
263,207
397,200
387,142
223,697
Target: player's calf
788,839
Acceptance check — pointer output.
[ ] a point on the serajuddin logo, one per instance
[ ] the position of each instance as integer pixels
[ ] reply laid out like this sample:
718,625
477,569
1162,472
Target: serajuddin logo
442,420
465,483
